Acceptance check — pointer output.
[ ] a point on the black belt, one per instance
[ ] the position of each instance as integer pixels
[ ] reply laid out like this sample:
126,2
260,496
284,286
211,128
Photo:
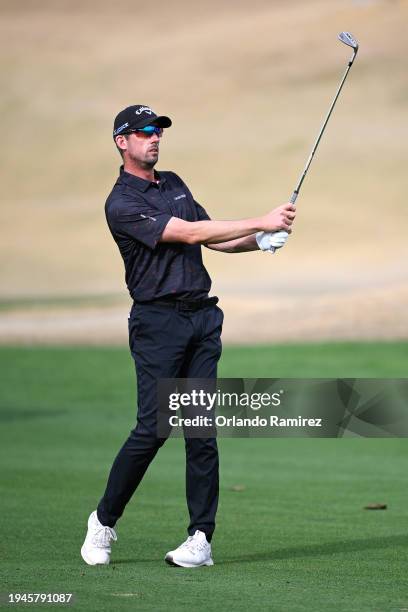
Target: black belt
183,305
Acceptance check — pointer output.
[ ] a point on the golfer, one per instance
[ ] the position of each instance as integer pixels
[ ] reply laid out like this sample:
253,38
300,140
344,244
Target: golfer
174,326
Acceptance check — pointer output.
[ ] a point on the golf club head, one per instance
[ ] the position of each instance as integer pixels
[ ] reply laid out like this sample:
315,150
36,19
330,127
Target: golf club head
348,40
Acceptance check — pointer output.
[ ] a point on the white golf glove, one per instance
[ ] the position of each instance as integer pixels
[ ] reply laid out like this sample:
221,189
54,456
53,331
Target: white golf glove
270,241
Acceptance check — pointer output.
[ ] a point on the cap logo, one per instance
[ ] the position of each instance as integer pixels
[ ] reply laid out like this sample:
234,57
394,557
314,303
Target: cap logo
144,109
120,128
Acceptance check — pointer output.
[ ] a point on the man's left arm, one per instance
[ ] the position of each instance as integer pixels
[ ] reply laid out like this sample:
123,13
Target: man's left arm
264,241
239,245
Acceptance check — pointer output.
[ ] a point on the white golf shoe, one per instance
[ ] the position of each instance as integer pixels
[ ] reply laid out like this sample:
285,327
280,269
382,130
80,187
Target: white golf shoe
194,552
96,549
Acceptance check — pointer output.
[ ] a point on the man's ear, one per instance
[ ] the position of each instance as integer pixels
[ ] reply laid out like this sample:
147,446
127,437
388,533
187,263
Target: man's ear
121,142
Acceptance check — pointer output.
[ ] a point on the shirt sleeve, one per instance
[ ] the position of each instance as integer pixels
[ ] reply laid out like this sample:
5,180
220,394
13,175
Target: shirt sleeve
137,221
201,212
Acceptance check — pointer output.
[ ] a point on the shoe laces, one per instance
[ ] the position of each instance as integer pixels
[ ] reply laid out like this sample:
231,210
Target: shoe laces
193,544
103,536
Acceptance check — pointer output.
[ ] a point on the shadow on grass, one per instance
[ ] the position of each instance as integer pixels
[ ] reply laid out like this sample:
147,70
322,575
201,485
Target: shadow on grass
293,552
9,416
135,560
317,550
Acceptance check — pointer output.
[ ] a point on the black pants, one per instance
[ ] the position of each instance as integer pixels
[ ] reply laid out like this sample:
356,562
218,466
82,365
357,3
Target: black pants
167,343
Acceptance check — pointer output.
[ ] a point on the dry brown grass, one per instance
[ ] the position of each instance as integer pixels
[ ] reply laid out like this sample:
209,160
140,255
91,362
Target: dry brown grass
247,89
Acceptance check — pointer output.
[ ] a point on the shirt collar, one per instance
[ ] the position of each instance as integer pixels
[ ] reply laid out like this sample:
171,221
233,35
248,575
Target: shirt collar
137,182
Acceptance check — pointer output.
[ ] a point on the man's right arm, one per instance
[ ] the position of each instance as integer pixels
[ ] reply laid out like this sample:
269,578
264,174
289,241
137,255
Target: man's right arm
213,232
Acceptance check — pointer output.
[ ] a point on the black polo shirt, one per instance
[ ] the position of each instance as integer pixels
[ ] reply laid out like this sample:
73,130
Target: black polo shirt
137,211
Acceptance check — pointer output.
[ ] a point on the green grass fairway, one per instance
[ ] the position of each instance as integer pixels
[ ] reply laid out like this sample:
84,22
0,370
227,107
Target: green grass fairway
296,538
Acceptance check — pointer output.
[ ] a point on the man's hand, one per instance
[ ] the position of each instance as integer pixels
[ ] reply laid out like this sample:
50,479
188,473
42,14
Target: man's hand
280,218
270,241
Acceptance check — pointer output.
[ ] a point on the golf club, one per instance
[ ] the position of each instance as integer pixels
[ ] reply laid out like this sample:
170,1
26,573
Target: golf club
350,41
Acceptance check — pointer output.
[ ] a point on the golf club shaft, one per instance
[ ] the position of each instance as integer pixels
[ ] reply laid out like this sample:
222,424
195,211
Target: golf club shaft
295,193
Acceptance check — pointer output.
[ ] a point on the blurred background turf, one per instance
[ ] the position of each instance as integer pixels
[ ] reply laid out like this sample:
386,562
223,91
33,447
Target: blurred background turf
247,86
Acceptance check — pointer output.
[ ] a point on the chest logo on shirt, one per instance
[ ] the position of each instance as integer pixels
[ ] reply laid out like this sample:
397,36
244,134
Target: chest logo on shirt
179,197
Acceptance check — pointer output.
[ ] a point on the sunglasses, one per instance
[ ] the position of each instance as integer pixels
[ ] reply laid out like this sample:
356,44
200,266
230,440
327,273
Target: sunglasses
149,130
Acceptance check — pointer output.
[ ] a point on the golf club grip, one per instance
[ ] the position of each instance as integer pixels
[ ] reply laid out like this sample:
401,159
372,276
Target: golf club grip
293,197
292,200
